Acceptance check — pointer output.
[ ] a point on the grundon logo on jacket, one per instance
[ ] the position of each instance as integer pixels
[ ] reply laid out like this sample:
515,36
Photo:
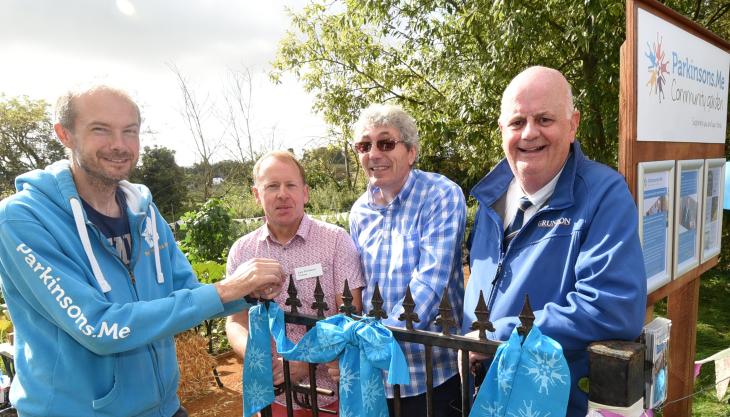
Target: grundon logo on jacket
563,221
66,303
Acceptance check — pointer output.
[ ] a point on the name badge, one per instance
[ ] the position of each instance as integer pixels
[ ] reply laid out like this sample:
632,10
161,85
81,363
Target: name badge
309,271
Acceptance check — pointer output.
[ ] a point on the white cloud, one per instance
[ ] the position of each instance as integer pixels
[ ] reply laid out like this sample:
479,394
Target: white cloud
49,46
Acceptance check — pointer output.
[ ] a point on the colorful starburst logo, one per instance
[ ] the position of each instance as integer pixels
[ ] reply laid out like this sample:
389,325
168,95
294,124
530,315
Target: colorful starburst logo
657,68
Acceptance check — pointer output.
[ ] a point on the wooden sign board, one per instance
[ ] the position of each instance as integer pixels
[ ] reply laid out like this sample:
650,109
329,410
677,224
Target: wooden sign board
673,108
682,83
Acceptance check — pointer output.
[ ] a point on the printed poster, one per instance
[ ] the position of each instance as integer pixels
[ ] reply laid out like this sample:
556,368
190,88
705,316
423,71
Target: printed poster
712,210
689,185
655,230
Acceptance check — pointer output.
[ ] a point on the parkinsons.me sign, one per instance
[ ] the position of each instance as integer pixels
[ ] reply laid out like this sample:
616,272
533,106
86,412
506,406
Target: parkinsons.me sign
682,84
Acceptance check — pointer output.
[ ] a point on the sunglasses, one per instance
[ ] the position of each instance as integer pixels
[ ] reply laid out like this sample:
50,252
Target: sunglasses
383,145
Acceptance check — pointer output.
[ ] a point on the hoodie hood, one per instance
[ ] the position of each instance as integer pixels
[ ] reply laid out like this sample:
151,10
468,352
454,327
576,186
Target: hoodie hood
57,185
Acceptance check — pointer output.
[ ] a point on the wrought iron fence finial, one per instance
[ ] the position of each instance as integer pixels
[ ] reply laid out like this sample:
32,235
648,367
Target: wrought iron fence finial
409,306
347,298
527,317
482,323
292,301
319,304
445,319
377,303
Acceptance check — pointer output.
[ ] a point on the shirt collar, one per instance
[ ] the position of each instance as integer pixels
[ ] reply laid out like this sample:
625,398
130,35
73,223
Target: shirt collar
539,197
303,230
402,194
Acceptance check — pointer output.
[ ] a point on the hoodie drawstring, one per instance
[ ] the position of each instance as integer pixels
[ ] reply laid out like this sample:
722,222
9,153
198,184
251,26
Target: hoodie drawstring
78,212
155,239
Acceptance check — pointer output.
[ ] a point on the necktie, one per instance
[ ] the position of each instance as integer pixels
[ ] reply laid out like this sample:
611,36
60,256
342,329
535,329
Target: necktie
364,347
516,223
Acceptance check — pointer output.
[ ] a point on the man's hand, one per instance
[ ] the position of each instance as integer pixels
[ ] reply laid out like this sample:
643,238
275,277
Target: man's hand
277,369
260,277
333,369
298,371
474,357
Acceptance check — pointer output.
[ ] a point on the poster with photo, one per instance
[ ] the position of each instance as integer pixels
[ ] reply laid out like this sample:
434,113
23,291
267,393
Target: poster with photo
714,174
656,209
688,215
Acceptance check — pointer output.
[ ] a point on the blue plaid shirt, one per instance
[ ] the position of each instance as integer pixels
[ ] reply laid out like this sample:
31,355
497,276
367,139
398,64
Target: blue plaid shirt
414,241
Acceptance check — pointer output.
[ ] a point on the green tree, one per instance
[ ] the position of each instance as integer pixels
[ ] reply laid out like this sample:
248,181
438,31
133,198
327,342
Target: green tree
330,165
234,172
448,62
161,174
27,140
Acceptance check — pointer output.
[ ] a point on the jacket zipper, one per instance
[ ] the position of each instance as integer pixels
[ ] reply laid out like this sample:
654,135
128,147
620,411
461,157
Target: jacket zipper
495,281
151,347
502,256
133,288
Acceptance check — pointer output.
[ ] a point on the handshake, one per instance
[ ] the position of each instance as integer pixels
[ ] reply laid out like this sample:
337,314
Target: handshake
257,277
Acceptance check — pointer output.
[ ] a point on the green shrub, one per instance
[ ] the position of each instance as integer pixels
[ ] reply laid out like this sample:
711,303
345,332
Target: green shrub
330,198
208,233
242,227
209,272
341,219
241,204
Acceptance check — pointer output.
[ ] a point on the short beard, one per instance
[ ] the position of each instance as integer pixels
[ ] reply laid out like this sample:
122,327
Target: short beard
97,178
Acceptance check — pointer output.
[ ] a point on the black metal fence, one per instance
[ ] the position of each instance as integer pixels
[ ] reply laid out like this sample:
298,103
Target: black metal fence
305,395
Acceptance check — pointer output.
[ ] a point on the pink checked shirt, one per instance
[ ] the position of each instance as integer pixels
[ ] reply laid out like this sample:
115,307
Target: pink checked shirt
315,242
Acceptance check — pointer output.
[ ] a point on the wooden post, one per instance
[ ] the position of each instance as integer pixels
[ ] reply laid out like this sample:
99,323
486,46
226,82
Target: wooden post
682,310
682,293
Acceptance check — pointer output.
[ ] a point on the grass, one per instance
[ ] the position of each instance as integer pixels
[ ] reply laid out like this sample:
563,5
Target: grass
713,331
713,335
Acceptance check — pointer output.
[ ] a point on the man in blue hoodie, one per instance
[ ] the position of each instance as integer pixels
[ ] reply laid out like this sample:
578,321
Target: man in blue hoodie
94,282
556,226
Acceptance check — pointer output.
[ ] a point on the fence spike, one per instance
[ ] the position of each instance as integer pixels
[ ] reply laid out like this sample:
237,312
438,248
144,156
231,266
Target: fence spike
526,318
319,304
377,303
482,323
445,319
347,298
409,306
292,301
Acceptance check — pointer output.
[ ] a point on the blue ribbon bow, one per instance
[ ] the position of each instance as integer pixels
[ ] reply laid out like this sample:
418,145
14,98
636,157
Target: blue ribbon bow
364,348
529,378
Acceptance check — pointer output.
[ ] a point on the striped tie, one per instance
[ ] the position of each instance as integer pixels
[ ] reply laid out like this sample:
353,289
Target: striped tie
516,223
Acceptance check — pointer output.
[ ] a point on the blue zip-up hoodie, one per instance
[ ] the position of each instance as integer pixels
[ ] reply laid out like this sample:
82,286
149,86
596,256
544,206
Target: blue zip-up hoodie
578,258
94,337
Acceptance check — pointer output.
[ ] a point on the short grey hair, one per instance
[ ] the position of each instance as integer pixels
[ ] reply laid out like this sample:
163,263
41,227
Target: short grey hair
390,115
66,108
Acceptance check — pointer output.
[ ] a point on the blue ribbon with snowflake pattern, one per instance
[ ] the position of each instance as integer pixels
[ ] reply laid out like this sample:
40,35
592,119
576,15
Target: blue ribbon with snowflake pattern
538,371
364,347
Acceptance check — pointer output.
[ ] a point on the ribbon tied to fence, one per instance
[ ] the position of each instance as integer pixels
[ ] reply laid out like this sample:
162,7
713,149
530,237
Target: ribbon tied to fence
364,347
527,377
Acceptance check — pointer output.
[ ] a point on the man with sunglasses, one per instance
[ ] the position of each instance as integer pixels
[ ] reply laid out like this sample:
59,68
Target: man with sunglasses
557,227
408,227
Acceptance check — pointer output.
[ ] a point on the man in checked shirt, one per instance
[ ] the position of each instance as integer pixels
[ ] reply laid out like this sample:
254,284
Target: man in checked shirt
408,227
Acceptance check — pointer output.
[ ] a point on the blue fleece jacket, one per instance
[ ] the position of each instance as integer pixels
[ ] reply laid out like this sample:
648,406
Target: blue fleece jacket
578,258
94,337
